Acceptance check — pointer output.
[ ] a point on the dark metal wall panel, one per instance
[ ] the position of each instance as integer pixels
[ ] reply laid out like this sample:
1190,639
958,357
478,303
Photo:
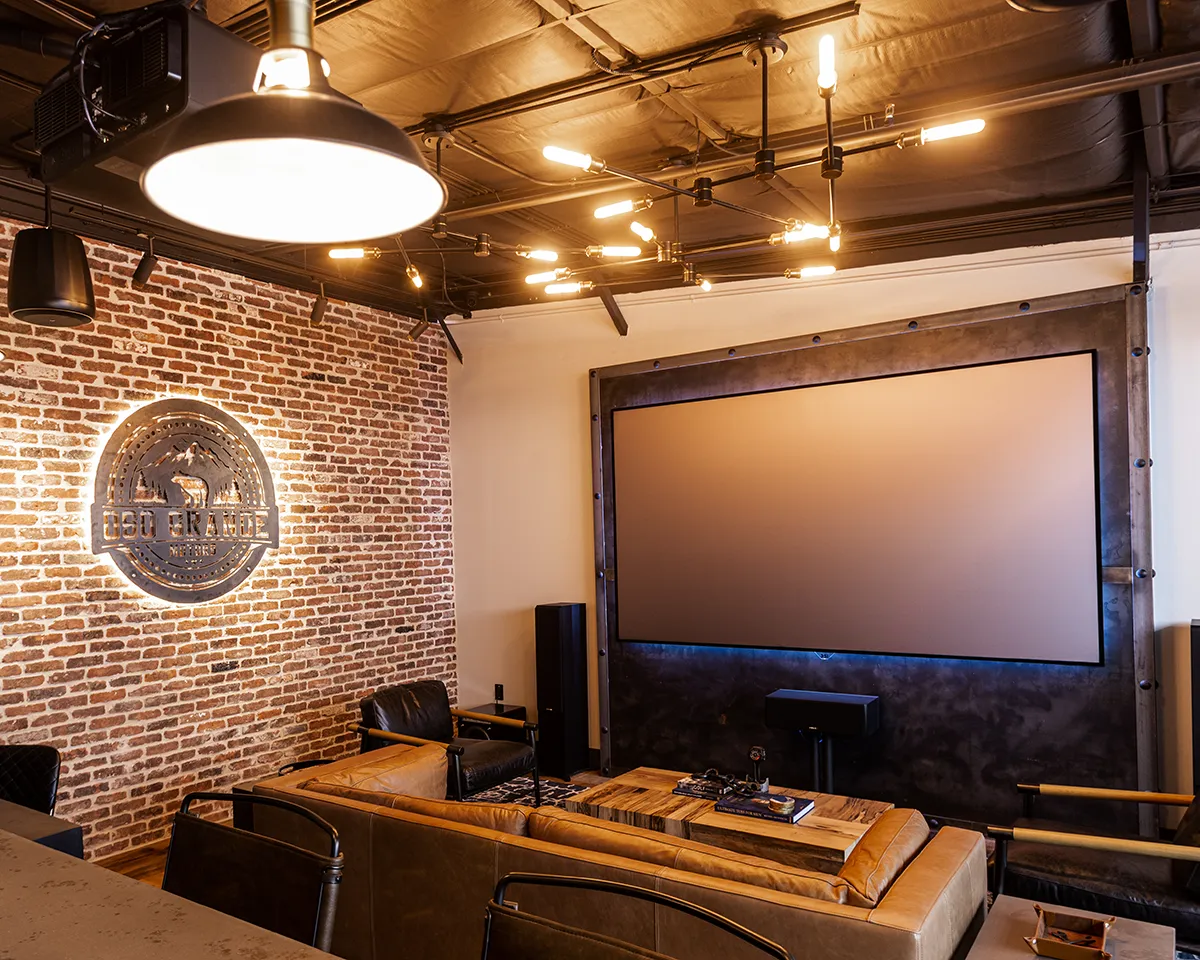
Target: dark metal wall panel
957,734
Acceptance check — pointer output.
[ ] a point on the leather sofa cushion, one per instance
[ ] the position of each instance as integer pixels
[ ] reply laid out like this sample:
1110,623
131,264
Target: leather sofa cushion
884,850
617,839
414,771
510,818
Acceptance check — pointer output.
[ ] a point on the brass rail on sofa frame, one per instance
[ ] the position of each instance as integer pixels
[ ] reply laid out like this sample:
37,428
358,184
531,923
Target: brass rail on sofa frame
1144,848
455,753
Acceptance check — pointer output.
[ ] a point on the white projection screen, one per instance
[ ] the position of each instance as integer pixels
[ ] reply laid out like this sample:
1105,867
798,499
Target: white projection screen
950,513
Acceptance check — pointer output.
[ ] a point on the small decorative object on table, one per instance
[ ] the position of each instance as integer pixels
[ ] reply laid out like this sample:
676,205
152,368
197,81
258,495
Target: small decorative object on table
1068,936
765,806
709,785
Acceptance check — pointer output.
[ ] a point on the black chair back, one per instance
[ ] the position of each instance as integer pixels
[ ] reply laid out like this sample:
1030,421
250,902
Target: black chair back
509,935
271,884
29,776
420,709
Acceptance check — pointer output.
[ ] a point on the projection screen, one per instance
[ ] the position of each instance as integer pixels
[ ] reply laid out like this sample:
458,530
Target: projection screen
950,513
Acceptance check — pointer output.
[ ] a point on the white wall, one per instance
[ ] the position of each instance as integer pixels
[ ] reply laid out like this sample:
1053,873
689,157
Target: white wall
520,429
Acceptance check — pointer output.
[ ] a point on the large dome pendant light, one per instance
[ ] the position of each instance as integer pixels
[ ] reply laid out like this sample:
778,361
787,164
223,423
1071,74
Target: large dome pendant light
49,280
295,161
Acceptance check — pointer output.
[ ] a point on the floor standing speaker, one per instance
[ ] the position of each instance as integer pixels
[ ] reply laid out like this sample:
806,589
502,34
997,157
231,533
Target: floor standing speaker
562,695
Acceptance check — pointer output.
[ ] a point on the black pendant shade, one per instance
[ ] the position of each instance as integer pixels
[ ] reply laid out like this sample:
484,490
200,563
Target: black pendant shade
49,281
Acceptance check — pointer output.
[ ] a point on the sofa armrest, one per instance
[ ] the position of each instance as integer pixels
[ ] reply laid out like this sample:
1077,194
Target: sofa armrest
1102,793
940,895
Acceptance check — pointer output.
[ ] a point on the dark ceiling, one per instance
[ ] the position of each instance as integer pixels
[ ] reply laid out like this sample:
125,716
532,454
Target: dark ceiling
504,78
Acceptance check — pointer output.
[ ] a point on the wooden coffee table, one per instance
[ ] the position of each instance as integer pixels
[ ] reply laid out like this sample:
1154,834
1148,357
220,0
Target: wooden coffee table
821,840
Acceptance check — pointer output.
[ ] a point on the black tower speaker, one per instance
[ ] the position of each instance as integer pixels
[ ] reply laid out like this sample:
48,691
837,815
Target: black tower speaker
562,695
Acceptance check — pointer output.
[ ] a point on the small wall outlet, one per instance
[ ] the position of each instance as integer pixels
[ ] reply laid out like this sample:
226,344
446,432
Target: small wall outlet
499,693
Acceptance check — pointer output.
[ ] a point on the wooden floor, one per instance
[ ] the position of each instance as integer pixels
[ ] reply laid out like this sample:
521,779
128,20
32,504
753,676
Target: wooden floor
147,863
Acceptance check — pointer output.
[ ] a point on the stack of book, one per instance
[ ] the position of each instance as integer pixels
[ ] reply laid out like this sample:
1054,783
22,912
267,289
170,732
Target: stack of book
778,807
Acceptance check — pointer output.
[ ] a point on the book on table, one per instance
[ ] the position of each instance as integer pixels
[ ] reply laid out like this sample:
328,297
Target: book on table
760,805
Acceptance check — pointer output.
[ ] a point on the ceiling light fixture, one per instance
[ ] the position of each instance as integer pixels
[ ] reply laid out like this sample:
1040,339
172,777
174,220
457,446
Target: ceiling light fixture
483,245
642,231
623,206
414,275
549,276
835,238
826,67
810,273
799,231
704,284
418,328
320,305
574,286
146,266
549,256
572,159
354,253
949,131
607,251
294,161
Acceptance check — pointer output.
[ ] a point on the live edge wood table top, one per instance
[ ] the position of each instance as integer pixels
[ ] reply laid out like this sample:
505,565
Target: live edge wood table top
821,840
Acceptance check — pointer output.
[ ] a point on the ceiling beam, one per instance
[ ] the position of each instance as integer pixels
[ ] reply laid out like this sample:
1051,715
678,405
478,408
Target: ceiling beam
1146,35
605,44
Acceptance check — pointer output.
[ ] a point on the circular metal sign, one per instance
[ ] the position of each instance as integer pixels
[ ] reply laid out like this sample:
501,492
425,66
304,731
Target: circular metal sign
184,502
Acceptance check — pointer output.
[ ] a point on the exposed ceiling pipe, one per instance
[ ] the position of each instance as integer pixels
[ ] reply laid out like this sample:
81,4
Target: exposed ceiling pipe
859,131
36,41
1054,6
77,16
666,65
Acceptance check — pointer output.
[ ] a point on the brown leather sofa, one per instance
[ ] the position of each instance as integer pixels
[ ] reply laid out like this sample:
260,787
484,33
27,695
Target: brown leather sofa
416,882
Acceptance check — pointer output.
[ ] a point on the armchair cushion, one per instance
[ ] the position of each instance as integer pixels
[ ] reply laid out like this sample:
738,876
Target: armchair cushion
882,852
29,775
1187,875
420,709
414,771
488,763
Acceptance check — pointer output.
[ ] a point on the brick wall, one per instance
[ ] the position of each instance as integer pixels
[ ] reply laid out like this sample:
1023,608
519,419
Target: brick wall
147,699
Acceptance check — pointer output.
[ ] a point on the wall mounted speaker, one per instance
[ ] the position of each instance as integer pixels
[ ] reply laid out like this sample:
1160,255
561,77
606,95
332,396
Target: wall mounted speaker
49,281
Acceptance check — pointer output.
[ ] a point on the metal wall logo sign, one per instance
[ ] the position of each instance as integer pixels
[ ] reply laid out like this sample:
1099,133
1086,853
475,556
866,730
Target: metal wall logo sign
184,502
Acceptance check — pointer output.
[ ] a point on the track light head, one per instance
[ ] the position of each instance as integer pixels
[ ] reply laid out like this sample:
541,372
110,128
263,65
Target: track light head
483,245
418,328
440,231
146,266
320,305
702,190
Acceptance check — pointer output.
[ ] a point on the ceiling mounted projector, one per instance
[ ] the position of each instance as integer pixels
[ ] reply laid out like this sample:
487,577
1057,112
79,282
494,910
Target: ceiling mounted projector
49,281
294,161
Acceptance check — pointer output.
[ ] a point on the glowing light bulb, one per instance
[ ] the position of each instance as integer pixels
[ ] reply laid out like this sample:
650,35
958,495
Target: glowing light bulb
414,275
642,231
347,253
614,209
573,286
549,256
285,67
583,161
826,69
607,251
704,284
835,238
950,130
800,231
549,276
821,270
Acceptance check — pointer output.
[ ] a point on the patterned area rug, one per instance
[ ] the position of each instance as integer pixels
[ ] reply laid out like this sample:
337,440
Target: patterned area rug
555,793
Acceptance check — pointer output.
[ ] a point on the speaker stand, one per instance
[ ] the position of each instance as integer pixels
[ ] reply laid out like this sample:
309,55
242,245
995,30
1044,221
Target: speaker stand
822,760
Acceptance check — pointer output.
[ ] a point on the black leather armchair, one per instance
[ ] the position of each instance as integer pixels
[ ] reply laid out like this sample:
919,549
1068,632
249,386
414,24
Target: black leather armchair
1122,876
29,776
420,713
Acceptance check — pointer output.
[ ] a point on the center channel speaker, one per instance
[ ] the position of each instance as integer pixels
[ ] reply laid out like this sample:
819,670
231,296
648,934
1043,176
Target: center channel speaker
562,695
